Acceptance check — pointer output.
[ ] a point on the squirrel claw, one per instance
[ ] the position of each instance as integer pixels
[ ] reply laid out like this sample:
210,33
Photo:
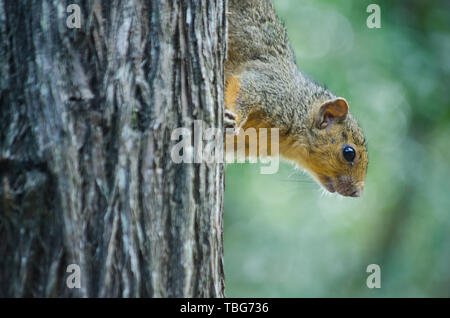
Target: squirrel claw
229,114
229,121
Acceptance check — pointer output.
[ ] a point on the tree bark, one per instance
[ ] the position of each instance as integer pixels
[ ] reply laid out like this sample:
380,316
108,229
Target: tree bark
86,176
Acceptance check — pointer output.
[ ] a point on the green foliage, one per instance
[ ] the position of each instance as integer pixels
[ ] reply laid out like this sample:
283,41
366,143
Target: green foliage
284,237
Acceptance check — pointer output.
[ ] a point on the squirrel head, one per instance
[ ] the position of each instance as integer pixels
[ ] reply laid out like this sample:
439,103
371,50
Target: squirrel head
332,149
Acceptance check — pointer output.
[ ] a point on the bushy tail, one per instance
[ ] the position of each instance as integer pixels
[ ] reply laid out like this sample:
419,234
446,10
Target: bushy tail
254,32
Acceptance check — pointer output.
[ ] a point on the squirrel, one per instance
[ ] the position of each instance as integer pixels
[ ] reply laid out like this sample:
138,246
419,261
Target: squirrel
265,89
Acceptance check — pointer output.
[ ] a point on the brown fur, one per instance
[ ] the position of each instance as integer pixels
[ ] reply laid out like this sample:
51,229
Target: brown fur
265,89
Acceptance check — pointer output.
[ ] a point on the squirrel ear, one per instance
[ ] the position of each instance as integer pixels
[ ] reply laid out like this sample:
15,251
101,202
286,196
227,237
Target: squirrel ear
336,109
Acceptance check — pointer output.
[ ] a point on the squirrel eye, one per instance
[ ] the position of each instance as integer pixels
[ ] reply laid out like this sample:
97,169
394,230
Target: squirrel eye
349,153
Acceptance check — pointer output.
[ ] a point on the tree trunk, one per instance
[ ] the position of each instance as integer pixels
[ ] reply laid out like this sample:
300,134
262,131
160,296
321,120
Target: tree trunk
86,175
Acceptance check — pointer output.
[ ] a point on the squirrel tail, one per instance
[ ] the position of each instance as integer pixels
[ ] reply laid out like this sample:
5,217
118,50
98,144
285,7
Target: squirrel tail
254,32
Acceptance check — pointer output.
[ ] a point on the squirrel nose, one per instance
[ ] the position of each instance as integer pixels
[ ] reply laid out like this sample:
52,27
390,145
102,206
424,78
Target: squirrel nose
359,188
356,194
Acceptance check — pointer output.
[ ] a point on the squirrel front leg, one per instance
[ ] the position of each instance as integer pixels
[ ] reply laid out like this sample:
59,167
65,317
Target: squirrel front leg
255,95
243,101
232,88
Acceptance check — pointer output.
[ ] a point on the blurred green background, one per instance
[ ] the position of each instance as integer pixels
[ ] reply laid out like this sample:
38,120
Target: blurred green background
284,237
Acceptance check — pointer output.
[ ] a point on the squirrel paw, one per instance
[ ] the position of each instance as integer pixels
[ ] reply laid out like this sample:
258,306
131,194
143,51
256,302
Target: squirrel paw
229,121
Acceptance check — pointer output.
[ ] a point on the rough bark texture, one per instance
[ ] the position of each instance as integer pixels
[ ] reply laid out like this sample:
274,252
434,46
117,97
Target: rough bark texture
86,175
